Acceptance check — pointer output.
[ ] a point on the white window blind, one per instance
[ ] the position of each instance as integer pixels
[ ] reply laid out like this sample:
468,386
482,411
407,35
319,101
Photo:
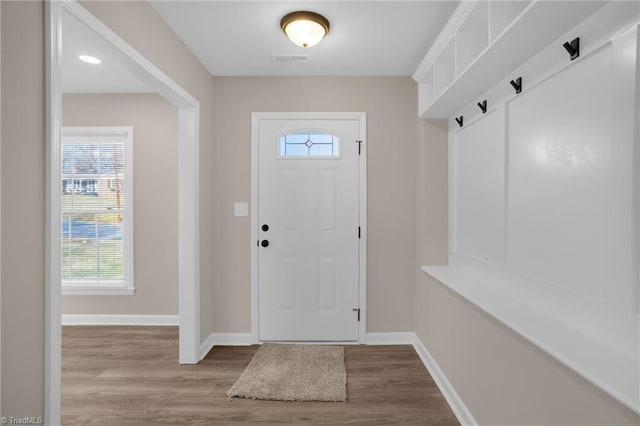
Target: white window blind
96,201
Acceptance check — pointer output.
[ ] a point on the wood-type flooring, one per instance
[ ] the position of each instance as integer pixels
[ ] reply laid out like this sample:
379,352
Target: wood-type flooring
120,376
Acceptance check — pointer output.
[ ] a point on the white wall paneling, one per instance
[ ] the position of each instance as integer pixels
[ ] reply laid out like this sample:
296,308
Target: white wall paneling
478,191
570,170
544,192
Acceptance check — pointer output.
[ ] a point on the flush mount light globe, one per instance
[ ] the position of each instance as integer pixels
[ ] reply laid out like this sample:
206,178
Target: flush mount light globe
305,28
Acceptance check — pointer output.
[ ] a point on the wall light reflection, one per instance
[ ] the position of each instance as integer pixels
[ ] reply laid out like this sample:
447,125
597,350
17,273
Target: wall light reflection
560,153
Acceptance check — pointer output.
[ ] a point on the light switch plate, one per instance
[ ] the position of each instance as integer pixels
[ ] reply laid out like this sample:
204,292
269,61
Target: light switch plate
241,209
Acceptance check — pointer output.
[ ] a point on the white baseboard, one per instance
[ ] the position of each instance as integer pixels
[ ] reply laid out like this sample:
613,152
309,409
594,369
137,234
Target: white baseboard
394,338
224,339
206,346
232,339
157,320
455,402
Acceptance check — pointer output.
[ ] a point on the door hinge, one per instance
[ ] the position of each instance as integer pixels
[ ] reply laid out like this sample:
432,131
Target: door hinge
359,147
358,232
358,311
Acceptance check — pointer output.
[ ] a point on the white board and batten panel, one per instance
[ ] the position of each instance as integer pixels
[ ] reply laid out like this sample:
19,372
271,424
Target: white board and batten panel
478,191
544,202
571,177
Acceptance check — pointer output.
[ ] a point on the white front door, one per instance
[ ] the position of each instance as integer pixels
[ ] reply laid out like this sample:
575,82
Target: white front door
308,229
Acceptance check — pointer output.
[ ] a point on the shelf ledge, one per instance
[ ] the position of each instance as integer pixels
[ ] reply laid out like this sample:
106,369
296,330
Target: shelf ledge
605,356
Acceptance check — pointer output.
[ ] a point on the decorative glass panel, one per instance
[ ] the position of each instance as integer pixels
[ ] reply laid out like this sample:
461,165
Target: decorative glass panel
309,144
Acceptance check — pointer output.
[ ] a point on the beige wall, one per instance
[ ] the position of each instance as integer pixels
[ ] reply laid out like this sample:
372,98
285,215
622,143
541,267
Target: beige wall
23,209
225,175
155,165
23,155
139,25
503,379
390,104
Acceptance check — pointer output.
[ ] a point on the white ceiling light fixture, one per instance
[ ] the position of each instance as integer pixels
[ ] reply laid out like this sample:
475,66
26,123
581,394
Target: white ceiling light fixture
89,59
305,28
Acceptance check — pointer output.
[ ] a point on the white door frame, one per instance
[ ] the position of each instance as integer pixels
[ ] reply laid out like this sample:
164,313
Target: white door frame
361,117
188,192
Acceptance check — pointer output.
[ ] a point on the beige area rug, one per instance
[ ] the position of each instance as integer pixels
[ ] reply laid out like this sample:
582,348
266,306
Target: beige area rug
281,372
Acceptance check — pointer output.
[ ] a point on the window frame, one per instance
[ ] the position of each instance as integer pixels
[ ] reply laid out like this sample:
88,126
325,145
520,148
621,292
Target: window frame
126,286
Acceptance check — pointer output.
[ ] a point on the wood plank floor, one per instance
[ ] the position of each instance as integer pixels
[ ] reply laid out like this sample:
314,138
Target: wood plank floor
130,376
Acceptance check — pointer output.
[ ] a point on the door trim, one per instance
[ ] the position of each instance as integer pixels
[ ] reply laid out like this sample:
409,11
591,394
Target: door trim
361,117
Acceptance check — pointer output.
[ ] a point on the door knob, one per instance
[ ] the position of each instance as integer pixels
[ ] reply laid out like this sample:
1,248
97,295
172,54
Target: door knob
265,227
265,243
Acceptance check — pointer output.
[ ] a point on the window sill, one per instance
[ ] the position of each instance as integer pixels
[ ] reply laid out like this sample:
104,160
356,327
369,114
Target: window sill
73,290
597,342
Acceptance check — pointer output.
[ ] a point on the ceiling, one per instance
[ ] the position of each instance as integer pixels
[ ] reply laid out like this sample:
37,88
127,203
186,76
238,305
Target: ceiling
110,76
367,38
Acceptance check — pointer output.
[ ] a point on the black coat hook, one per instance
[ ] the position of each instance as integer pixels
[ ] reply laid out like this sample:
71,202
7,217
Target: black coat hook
573,48
460,120
517,84
483,106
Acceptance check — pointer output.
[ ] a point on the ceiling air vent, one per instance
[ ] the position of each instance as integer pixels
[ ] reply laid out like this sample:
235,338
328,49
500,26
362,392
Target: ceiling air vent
289,59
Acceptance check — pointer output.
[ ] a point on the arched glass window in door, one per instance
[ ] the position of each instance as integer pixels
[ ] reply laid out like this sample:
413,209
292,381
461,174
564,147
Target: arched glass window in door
309,144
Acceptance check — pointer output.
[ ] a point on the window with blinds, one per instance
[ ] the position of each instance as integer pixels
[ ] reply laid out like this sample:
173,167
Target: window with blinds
96,202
